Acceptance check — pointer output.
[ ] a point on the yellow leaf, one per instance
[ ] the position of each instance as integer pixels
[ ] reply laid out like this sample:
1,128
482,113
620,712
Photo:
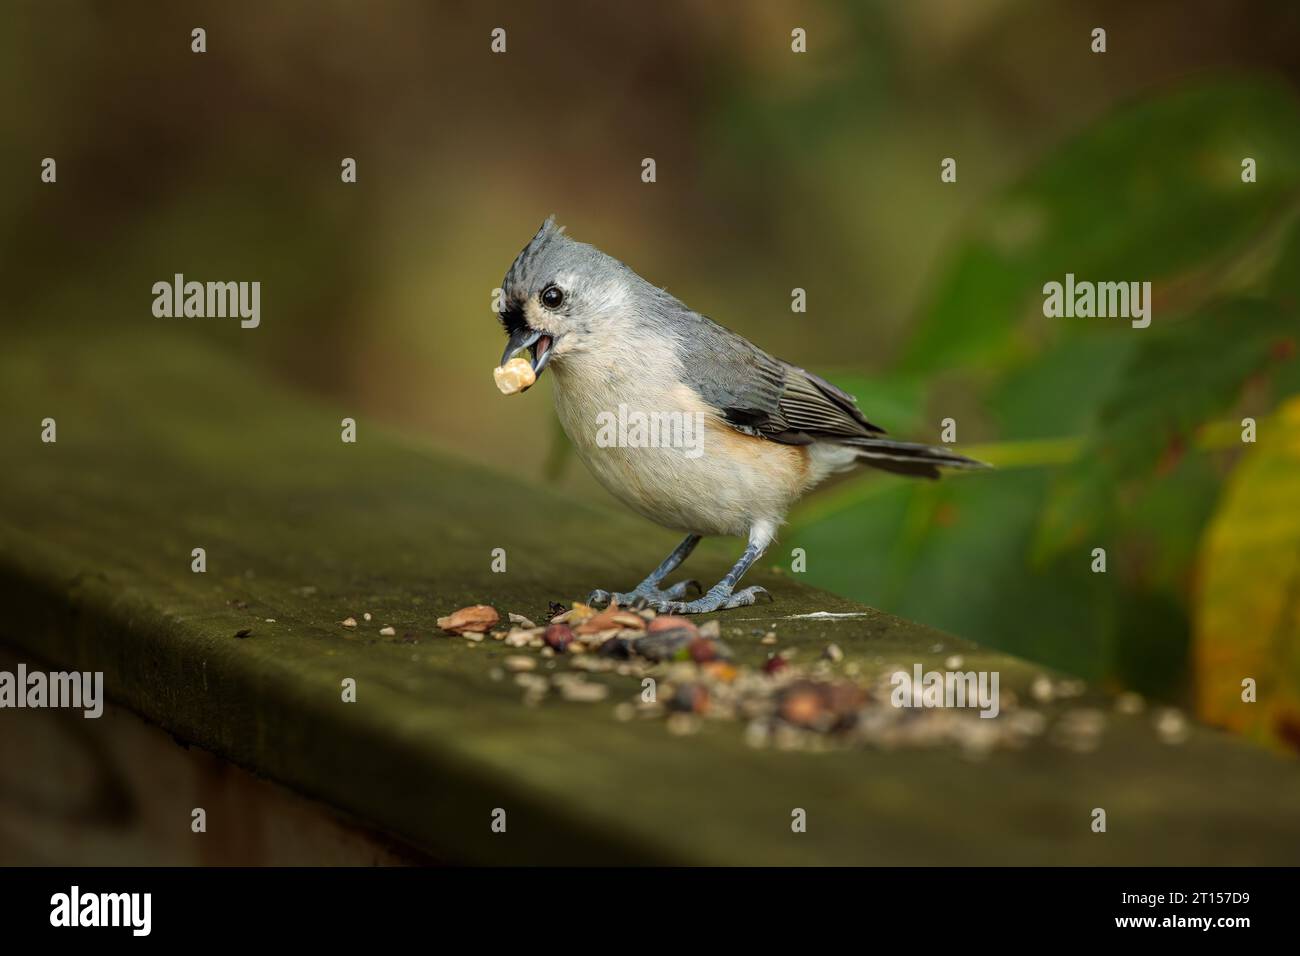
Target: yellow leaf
1247,608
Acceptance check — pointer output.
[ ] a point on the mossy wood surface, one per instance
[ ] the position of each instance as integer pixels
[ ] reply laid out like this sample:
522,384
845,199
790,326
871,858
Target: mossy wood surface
165,445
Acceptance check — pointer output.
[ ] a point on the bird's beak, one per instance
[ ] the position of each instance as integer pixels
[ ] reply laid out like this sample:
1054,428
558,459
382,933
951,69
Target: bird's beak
525,337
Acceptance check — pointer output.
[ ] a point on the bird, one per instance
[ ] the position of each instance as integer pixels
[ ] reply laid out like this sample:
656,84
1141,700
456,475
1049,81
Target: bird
768,431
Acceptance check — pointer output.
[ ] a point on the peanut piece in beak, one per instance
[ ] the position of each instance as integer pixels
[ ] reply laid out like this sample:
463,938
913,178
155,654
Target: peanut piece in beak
515,376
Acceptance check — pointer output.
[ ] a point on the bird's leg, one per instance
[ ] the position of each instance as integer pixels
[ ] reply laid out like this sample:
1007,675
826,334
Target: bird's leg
648,590
723,595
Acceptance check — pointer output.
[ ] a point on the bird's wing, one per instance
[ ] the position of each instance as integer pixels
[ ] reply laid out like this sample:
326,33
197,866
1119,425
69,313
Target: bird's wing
759,394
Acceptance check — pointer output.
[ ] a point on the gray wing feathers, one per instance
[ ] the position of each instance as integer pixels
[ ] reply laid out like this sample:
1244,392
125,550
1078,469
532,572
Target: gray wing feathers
814,405
735,376
762,395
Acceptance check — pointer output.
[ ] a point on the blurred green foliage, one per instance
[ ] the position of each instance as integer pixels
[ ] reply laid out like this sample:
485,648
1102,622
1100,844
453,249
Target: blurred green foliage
1152,191
1107,436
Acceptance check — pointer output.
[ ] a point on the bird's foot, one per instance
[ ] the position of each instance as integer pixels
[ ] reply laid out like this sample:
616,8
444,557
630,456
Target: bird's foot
719,598
644,594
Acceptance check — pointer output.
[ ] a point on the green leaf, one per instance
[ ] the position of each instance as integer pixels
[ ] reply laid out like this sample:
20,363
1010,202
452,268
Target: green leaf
1180,376
1150,192
1284,287
953,554
1058,393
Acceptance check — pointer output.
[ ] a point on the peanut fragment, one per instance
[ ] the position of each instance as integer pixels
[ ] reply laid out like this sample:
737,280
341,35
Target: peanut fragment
515,376
477,619
611,617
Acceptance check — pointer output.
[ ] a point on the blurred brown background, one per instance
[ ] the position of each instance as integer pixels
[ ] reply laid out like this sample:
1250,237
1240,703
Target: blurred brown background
774,170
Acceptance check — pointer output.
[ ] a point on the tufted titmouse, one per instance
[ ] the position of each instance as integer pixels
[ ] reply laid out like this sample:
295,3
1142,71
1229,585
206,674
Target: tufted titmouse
684,421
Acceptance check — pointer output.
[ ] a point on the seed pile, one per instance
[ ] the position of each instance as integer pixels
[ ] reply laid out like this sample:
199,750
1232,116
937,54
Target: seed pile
686,676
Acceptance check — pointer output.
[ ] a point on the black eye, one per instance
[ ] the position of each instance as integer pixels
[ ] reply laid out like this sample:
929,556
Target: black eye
552,297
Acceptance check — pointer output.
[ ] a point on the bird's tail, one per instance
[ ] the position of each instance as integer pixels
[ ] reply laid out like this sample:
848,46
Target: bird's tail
909,458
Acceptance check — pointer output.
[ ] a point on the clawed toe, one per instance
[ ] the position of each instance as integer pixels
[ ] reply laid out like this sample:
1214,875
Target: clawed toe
749,596
717,600
680,590
720,597
644,596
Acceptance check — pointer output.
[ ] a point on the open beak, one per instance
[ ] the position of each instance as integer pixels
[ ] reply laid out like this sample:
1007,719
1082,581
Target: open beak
529,338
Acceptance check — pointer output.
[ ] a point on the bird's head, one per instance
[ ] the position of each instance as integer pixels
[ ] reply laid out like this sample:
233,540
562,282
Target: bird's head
561,298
